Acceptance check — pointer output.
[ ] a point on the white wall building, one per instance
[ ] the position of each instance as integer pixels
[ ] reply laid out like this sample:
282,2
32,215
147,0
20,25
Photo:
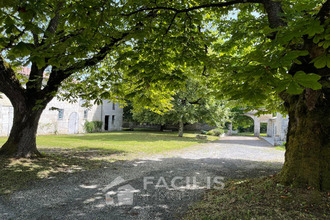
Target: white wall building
277,127
62,117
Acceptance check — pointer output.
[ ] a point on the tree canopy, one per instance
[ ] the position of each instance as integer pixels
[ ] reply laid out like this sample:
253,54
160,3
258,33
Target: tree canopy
191,104
260,52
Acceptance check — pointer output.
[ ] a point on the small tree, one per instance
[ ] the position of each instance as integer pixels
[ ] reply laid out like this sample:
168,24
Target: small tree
191,104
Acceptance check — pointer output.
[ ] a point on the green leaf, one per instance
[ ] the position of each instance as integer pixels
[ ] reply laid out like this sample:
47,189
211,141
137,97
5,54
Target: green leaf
315,28
320,62
21,49
326,44
308,80
294,88
316,39
40,61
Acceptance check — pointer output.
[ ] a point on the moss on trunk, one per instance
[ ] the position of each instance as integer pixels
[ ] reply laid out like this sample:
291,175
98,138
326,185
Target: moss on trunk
307,157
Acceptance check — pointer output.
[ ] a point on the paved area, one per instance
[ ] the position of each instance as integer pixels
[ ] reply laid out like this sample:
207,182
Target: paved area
157,187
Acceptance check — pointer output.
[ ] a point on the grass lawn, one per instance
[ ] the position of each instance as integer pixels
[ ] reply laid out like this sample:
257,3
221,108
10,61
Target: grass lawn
261,198
72,153
248,134
282,148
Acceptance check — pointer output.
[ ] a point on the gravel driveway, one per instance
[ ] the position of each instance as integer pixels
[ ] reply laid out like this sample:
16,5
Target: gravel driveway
158,187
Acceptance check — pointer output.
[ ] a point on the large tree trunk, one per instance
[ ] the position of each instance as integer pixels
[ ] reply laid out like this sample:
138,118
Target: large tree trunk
22,138
307,157
28,102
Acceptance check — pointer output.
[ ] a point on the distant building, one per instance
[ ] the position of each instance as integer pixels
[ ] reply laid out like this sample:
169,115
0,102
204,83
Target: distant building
62,117
277,126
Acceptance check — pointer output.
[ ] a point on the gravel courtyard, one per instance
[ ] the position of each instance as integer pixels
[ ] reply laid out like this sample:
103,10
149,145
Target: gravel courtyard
157,187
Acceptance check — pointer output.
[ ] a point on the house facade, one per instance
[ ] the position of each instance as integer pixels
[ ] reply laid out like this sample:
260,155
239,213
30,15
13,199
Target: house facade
277,126
63,117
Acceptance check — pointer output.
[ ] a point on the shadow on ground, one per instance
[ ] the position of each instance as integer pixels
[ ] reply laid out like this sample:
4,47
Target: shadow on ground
20,173
82,195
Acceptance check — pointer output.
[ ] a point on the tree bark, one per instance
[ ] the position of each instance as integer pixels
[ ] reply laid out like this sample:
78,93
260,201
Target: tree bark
180,128
22,138
307,157
28,104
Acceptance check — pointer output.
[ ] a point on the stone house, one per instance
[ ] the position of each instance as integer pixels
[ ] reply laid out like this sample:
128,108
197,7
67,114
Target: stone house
277,126
63,117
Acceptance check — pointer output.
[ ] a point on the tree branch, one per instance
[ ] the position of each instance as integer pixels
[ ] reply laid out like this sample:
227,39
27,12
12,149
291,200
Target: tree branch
57,75
35,79
96,58
9,84
53,23
195,102
13,38
211,5
71,35
274,11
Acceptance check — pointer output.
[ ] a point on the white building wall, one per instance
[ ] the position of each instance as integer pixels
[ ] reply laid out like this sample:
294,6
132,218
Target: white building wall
51,124
112,115
6,116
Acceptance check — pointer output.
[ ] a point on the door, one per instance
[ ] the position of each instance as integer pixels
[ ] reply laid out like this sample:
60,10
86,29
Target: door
73,123
106,123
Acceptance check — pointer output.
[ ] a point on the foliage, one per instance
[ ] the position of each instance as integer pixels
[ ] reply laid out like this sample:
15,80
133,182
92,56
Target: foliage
263,127
147,43
253,64
262,53
93,126
216,132
191,104
240,121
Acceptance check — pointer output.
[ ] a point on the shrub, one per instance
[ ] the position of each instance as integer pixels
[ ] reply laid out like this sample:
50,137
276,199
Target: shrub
93,126
210,132
216,132
203,132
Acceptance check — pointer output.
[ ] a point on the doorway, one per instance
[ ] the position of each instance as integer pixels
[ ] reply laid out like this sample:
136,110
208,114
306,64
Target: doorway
106,123
73,123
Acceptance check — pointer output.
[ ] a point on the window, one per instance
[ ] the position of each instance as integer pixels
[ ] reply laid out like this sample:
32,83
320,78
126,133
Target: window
113,120
60,114
113,106
85,114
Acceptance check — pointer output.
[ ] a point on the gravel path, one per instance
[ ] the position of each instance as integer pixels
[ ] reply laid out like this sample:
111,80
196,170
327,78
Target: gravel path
182,176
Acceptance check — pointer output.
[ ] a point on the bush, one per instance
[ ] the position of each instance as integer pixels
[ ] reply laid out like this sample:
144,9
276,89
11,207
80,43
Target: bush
93,126
210,132
203,132
216,132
